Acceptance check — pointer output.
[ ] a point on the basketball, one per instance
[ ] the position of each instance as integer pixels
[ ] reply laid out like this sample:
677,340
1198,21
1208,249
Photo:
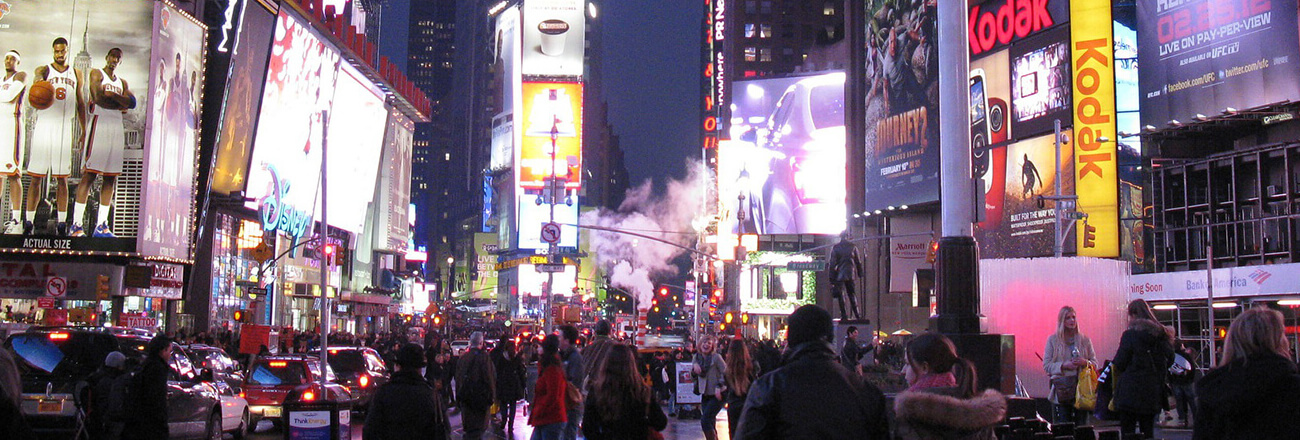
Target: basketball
41,95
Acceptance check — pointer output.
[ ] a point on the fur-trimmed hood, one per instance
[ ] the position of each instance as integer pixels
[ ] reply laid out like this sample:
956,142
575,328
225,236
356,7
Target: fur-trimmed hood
943,411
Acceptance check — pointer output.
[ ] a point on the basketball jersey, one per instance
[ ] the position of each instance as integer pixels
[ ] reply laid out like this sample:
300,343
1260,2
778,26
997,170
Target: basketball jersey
65,93
15,108
110,85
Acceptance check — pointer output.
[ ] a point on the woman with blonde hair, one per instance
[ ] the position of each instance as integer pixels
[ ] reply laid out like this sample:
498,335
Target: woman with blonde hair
1068,351
1255,390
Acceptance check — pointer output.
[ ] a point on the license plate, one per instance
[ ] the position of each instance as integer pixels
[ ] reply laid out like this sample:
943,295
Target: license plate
271,411
49,407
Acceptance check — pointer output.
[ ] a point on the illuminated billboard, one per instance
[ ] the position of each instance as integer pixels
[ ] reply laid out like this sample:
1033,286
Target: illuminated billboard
552,117
1096,174
1017,225
83,89
166,210
1040,82
532,215
791,148
284,175
554,37
902,104
250,46
356,138
394,197
506,97
1204,56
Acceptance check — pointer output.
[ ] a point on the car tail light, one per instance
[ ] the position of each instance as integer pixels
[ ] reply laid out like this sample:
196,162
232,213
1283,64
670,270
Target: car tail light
58,336
308,396
278,364
241,395
364,380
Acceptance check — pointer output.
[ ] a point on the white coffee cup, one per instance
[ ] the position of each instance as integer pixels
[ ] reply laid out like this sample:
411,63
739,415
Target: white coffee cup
554,34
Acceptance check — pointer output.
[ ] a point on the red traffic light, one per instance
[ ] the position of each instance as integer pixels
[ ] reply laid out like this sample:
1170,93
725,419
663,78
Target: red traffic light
663,291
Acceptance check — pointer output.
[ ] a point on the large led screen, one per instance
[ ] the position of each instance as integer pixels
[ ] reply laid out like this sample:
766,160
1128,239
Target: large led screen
250,48
1203,56
533,214
1017,226
792,141
394,188
1040,82
93,65
284,175
902,103
554,36
177,72
506,97
356,138
552,119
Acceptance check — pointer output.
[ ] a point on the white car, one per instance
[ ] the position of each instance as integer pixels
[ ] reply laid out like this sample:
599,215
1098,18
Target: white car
235,417
459,346
227,379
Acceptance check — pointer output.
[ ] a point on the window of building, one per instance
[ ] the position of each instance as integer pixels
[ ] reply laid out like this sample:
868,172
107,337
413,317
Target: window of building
830,32
749,30
751,6
828,8
765,31
765,54
751,54
447,157
765,7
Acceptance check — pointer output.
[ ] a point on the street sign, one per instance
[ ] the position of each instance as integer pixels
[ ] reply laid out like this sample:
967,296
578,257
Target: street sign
56,286
544,268
45,303
551,233
261,252
806,265
256,290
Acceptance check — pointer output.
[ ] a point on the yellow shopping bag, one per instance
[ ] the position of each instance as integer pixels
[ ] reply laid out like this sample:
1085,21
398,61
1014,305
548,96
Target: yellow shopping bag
1085,397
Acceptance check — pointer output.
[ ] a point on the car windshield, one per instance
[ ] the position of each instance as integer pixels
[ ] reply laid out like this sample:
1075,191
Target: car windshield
278,373
215,360
61,354
827,106
347,361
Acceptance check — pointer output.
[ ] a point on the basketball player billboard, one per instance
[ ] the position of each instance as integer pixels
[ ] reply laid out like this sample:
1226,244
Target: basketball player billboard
78,85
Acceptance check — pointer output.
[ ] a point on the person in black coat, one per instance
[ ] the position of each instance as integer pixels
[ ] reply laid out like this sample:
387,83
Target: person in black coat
148,393
1254,393
620,406
812,396
510,382
406,407
1142,363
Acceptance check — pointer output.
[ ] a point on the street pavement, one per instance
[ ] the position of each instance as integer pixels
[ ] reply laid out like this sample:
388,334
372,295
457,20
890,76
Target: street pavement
678,429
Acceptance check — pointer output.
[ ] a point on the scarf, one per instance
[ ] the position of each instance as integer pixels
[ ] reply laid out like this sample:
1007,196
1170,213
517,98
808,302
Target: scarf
934,380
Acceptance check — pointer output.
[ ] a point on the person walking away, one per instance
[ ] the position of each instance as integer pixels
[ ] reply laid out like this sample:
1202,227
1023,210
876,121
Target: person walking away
1182,376
475,387
1254,393
529,355
549,415
510,383
99,423
851,353
740,374
1142,362
147,395
407,407
1067,352
812,396
11,415
575,373
619,405
594,352
942,400
708,370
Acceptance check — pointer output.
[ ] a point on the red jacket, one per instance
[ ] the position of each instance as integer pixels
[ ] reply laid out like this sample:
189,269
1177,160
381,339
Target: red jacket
548,400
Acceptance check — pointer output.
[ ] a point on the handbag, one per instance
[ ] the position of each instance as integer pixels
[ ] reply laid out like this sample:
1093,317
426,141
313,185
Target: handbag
1064,389
1085,397
572,395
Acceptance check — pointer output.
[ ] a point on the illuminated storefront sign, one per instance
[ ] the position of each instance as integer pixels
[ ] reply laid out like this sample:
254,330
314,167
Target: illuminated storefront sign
277,213
1094,118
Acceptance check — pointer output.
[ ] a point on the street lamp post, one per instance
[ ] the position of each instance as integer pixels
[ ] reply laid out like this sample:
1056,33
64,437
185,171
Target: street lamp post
552,248
451,275
324,261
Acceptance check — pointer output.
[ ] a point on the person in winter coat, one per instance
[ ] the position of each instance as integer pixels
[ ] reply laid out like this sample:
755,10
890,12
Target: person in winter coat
942,400
407,407
709,368
1182,376
1142,362
510,382
548,415
619,405
475,387
812,396
1254,393
148,396
99,423
741,372
1068,351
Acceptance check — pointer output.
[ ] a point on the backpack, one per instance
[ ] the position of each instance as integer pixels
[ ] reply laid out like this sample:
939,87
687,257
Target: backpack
118,396
476,391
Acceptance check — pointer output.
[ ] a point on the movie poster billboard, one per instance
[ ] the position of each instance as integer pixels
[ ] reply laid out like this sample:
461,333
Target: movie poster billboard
793,174
1040,82
506,97
1096,175
87,132
554,37
250,46
166,211
1024,229
902,104
1203,56
553,117
284,175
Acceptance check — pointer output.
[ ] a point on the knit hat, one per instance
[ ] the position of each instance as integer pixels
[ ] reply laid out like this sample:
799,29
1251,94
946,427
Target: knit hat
809,323
411,357
115,360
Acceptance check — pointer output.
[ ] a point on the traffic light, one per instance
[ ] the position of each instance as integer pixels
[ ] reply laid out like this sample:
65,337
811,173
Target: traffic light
1089,235
340,255
932,253
728,318
744,318
330,254
242,315
716,297
437,320
663,291
102,289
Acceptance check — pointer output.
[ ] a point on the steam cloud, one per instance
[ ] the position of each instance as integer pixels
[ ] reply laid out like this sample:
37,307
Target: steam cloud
633,262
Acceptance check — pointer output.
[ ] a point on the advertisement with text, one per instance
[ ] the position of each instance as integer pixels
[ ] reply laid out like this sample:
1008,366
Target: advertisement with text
555,34
902,104
1203,56
1096,175
552,130
1025,227
792,144
506,97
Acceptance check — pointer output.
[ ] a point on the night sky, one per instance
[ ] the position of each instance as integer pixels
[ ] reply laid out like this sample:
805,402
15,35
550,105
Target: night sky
652,50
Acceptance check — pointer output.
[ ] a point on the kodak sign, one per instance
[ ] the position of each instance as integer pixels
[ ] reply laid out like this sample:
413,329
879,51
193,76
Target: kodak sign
996,23
1092,59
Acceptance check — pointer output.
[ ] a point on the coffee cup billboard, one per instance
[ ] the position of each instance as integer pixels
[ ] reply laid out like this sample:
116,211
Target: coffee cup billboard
553,33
